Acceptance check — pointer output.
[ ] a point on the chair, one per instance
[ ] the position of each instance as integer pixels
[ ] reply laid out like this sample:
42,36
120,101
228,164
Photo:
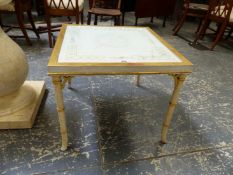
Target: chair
191,9
105,8
62,8
18,7
154,8
220,12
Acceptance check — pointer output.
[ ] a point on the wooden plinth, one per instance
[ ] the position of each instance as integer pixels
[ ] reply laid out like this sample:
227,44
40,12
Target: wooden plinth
25,117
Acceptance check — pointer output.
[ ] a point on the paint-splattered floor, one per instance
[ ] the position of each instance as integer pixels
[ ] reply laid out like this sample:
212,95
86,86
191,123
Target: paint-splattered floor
114,126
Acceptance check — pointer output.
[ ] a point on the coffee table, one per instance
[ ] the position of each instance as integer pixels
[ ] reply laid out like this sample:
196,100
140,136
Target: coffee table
98,50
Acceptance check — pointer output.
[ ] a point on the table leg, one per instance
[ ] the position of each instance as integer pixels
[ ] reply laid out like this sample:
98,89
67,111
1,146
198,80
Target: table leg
137,80
67,79
57,81
69,83
178,82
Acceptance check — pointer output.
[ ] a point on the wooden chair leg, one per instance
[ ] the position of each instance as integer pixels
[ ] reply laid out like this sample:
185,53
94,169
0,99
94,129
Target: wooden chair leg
202,31
137,82
219,25
117,20
205,27
179,24
164,21
82,17
136,21
219,35
199,26
69,18
48,20
29,13
123,18
22,27
77,18
101,18
96,20
89,19
152,19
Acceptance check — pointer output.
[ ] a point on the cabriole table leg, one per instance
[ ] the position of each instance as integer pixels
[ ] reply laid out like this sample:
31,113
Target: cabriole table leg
178,82
57,81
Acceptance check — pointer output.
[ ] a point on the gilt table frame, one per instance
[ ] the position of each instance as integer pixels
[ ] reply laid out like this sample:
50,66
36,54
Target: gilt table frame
178,70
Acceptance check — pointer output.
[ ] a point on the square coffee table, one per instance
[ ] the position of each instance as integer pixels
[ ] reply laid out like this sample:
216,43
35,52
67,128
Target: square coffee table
98,50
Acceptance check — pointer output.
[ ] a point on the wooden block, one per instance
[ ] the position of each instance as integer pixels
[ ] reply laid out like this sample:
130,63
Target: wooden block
25,117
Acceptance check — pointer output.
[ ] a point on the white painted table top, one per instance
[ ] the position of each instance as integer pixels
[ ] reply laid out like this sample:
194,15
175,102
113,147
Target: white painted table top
95,50
86,44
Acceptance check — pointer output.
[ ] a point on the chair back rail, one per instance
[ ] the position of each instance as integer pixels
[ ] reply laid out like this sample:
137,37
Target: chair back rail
62,7
61,4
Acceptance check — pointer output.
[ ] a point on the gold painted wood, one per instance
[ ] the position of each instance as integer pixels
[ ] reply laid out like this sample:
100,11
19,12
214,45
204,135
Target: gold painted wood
178,82
69,81
54,67
66,79
58,83
64,72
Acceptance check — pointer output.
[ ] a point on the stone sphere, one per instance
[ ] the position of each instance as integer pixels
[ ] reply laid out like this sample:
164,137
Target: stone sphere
13,65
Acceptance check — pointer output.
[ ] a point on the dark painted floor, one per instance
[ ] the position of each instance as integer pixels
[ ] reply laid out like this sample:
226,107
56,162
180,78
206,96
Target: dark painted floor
114,126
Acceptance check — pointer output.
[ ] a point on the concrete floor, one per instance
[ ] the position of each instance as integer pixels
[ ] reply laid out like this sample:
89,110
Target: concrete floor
114,126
